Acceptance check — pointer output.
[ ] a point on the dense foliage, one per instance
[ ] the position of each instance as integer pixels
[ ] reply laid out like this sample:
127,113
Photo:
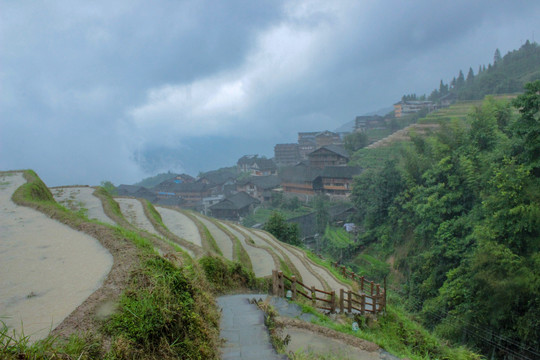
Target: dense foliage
283,230
460,212
506,75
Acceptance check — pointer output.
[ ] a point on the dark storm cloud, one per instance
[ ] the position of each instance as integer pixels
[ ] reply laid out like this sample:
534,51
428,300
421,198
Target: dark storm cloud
104,90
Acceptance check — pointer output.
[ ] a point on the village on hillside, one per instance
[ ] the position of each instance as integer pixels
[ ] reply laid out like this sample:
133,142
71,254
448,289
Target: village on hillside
318,163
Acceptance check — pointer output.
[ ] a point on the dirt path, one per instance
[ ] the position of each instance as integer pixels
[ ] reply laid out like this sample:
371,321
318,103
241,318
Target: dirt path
133,211
48,269
222,239
78,197
308,276
180,225
261,260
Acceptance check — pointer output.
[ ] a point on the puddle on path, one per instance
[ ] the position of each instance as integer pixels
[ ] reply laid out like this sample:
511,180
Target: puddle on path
47,269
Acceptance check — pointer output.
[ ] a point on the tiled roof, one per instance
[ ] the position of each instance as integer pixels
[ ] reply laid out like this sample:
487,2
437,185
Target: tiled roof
127,190
218,178
338,149
171,186
265,164
235,202
263,182
299,174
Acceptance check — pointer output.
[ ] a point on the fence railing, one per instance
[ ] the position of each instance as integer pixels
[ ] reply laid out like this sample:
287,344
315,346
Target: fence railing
366,286
327,300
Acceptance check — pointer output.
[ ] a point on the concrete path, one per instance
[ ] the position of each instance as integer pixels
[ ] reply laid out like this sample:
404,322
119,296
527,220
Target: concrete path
242,327
78,197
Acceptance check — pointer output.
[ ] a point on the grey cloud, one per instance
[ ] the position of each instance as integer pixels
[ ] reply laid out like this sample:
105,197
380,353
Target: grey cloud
77,78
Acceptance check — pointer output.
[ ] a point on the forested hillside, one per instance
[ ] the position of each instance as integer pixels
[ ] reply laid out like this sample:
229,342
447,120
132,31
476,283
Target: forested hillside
507,74
458,212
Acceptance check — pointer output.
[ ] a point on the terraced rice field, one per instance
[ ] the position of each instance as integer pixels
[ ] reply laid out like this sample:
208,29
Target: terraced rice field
79,198
48,269
265,252
180,225
133,211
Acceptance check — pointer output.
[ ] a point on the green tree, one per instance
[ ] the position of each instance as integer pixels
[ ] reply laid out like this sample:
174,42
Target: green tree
470,76
527,128
276,199
497,57
355,141
460,81
322,218
283,230
109,187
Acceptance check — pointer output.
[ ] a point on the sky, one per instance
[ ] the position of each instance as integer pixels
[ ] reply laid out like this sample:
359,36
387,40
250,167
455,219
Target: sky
94,91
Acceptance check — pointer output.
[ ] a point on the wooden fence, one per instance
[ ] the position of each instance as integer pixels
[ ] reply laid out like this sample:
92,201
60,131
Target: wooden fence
348,300
370,286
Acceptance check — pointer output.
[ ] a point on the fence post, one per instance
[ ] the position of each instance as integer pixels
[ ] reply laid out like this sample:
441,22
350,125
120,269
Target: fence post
274,282
362,284
375,310
363,304
313,296
344,271
384,300
349,298
341,296
293,287
281,284
333,303
371,288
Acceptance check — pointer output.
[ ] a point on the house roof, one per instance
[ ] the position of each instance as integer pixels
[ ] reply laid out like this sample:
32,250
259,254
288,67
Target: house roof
171,186
247,160
185,177
127,190
326,133
299,174
263,182
337,149
264,164
235,202
341,172
218,177
171,201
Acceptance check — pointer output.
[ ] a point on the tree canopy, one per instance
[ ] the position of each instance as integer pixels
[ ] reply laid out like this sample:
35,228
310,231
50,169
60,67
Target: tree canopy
463,208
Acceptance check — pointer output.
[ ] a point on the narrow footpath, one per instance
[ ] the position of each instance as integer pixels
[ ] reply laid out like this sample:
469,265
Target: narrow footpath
243,329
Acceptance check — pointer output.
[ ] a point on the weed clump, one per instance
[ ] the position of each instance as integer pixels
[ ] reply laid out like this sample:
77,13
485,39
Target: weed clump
160,315
226,275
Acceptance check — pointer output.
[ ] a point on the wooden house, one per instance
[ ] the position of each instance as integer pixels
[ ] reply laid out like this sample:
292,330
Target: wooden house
329,155
234,207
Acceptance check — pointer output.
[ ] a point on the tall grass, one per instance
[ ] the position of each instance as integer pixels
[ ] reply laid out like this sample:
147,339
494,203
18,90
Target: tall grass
160,315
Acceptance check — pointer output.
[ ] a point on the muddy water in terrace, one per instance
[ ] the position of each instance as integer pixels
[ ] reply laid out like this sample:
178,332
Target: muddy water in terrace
47,269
